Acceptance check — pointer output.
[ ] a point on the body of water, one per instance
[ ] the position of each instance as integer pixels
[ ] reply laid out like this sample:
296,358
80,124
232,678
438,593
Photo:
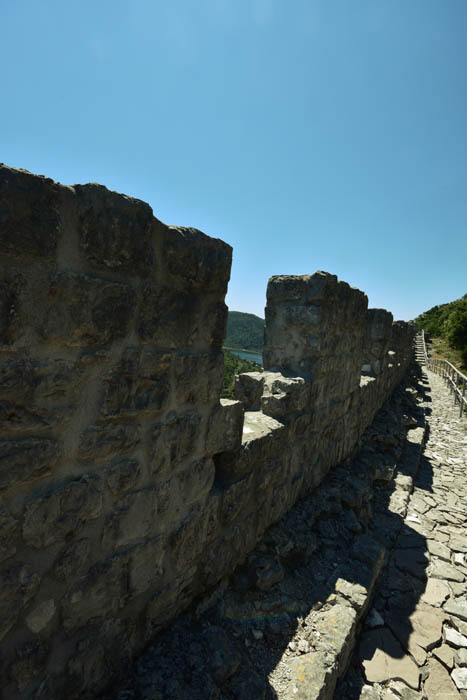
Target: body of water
247,355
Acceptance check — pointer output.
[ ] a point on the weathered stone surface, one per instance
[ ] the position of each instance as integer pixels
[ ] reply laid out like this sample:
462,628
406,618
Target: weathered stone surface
108,439
438,683
191,256
73,560
19,584
440,569
60,510
29,663
30,219
198,377
139,383
249,389
115,230
225,427
40,617
85,311
459,676
383,659
311,674
436,592
455,638
177,437
445,654
9,530
457,607
23,460
123,475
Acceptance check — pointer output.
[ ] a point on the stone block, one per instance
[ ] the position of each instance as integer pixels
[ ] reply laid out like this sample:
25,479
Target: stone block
236,498
249,389
139,383
108,440
225,427
282,396
19,585
115,231
174,439
30,217
84,311
196,261
198,377
262,438
27,459
62,509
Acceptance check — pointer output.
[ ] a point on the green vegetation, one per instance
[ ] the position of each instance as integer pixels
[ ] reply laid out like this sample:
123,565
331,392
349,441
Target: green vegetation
447,324
244,331
234,365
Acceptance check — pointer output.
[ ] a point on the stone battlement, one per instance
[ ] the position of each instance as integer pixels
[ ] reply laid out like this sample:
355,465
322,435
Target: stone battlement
128,487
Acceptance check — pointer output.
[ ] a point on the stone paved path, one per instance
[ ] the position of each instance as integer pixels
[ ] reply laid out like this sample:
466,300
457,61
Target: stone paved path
414,643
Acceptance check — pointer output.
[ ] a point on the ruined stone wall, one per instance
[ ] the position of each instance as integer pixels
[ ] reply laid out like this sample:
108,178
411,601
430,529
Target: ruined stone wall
127,487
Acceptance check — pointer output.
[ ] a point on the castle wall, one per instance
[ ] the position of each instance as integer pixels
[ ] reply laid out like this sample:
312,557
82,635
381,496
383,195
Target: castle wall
127,487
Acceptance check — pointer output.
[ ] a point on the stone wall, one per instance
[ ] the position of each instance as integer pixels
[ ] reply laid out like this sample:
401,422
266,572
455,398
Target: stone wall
128,488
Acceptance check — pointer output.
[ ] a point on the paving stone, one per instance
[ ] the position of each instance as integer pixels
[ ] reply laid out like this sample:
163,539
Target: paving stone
440,569
459,676
439,550
404,692
454,637
436,592
445,654
439,685
457,607
384,659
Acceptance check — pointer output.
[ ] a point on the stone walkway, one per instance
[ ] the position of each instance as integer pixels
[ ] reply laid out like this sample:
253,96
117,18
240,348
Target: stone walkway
386,529
414,643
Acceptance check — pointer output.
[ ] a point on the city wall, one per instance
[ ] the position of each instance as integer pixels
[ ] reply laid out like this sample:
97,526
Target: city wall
128,488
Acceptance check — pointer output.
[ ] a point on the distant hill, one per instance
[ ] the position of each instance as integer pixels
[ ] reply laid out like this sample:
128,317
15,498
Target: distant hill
244,331
448,321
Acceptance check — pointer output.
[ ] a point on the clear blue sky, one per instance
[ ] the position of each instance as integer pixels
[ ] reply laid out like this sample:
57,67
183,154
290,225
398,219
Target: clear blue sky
308,134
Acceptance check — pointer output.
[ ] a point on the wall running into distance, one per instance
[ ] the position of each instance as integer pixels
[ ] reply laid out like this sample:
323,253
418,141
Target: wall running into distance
127,487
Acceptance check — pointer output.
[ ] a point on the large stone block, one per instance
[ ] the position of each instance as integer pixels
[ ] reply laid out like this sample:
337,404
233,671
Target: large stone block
139,383
29,214
249,389
116,231
225,427
197,261
85,311
27,459
61,510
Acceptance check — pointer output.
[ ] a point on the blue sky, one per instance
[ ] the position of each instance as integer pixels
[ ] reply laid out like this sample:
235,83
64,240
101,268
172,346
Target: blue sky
308,134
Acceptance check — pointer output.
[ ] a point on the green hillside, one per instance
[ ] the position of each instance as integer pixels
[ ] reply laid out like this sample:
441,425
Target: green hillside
235,365
449,323
244,331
